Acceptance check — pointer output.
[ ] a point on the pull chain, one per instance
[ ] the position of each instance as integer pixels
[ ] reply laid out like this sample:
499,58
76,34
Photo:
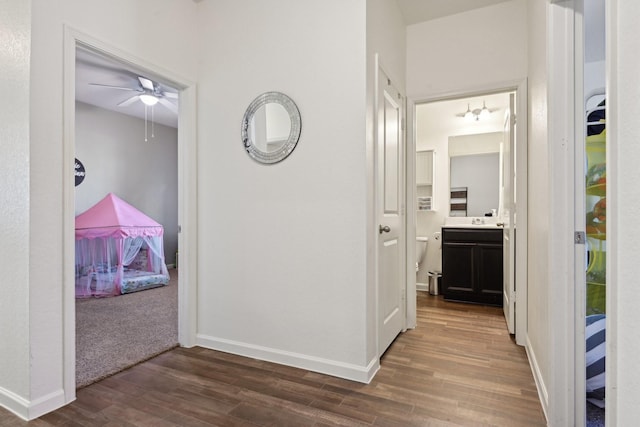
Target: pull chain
145,123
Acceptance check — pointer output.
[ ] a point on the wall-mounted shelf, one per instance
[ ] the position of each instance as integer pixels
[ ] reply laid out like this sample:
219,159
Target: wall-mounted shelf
458,202
424,180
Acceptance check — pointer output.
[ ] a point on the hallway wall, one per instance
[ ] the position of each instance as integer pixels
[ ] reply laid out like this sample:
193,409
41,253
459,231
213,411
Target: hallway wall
15,67
35,384
281,247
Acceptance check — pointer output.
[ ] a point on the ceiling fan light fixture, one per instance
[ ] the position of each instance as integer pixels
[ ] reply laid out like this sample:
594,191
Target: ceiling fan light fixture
149,100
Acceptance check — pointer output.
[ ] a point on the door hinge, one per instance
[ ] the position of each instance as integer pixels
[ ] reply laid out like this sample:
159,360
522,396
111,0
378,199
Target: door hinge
402,124
179,229
579,237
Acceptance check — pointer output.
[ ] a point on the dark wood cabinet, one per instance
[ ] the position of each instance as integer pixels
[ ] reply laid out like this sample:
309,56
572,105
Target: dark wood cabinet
472,265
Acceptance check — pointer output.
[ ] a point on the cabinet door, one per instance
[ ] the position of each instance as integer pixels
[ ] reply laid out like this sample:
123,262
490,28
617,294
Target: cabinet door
458,265
490,273
424,168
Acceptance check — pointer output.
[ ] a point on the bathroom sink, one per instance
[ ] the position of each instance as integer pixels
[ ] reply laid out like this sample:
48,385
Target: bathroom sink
468,225
471,222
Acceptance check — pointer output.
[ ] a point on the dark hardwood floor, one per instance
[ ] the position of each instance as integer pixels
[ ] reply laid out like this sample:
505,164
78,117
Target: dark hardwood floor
459,367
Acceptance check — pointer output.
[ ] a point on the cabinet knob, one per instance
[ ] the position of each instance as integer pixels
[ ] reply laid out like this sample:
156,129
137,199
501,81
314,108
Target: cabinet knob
500,224
384,229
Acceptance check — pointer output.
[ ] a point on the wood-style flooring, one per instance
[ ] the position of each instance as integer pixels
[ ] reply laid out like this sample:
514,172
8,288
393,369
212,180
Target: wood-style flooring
459,367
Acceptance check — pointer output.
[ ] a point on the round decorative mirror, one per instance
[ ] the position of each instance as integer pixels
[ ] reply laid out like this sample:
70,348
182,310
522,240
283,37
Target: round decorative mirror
271,127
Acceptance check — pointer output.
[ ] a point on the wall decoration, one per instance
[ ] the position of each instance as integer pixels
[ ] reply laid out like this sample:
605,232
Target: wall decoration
79,172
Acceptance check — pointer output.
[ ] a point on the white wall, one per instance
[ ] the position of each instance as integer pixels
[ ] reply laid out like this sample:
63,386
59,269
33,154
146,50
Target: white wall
538,196
15,39
623,134
386,37
117,159
282,248
467,51
138,28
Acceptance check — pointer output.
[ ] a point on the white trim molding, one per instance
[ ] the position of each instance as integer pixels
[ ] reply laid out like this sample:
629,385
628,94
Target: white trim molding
537,377
187,193
349,371
561,257
30,410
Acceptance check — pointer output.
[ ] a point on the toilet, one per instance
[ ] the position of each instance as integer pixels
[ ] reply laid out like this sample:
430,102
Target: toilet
421,250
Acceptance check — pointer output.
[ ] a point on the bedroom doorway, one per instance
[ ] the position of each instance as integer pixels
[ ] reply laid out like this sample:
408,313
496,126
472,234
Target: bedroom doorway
115,152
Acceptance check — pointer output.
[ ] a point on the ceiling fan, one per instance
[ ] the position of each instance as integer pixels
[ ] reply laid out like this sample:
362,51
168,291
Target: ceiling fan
148,92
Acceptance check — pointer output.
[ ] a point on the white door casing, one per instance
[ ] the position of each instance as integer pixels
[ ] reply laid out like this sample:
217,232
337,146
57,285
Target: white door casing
390,181
508,217
187,177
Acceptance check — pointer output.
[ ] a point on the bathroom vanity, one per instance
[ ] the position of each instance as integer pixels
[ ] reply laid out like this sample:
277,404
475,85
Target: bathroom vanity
472,264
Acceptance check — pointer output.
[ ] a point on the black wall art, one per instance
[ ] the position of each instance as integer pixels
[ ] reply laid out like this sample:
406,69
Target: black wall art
79,172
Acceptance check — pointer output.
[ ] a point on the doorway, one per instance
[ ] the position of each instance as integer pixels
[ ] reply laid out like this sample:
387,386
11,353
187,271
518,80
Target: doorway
186,167
126,145
468,120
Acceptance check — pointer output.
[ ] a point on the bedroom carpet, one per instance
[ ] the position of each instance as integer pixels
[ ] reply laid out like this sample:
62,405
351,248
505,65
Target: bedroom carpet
115,333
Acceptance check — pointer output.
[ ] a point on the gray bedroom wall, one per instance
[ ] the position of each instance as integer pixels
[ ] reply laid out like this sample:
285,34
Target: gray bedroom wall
117,159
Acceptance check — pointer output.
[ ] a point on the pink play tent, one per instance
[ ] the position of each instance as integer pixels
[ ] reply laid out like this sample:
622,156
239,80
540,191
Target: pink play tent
118,250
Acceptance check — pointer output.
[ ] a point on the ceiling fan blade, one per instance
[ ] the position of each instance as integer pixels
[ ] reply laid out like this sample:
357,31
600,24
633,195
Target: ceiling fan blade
170,95
146,83
168,105
129,101
114,87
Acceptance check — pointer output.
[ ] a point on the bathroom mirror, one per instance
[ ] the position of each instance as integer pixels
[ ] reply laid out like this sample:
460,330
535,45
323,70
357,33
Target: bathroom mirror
474,174
271,127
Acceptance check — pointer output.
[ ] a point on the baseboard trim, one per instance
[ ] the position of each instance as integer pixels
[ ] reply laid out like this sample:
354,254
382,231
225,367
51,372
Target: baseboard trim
10,401
422,287
26,410
46,404
362,374
543,394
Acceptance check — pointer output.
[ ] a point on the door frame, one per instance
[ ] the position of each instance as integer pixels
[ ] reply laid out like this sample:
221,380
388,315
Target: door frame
520,87
187,194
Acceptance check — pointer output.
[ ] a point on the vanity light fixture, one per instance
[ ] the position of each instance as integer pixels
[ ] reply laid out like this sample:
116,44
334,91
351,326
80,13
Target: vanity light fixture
477,113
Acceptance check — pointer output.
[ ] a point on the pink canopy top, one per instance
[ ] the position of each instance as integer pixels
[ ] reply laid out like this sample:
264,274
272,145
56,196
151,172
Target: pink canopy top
113,217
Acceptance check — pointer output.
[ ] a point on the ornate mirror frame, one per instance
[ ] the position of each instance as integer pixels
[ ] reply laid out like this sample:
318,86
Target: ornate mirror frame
294,134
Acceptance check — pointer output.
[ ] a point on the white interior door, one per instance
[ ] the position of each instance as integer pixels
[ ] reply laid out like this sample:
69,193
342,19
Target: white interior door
508,217
390,215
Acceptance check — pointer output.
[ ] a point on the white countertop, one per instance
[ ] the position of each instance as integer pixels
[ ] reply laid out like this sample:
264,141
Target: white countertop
494,226
471,222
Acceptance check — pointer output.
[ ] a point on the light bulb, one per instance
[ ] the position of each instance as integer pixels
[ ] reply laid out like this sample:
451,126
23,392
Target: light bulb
149,100
468,115
484,113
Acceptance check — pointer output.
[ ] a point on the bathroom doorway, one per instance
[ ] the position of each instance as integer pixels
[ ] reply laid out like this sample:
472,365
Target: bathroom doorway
455,130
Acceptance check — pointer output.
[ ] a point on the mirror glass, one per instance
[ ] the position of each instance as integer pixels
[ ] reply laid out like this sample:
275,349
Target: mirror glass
271,127
474,174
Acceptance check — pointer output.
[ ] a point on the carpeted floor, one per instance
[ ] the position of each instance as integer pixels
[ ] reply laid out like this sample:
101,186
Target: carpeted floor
115,333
